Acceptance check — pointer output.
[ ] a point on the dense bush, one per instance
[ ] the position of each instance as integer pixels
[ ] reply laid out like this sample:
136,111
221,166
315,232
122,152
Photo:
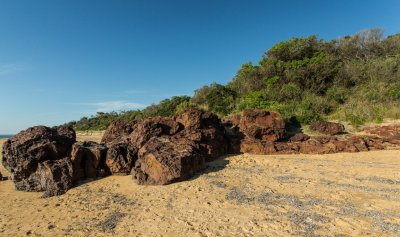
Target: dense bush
354,78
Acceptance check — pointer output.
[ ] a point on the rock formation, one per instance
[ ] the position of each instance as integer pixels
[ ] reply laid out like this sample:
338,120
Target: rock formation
163,150
88,160
30,156
328,128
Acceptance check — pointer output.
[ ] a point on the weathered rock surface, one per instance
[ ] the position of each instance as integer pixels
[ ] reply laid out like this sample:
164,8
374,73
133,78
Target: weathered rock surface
163,160
206,131
390,132
299,137
55,176
23,153
117,132
120,158
88,160
263,125
145,129
329,128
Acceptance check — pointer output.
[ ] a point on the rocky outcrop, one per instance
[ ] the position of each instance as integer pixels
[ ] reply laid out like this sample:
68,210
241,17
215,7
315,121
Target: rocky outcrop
206,131
262,125
55,176
88,160
120,158
117,132
329,128
299,137
25,152
145,129
251,127
163,160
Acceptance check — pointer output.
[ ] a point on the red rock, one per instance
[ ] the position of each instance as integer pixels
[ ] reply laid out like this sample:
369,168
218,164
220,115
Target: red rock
257,147
23,153
299,137
87,159
117,132
120,158
163,160
389,131
327,127
263,125
206,131
55,176
145,129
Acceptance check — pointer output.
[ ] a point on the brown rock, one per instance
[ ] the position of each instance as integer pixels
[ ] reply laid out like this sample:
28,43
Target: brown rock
206,131
257,147
88,160
327,127
23,153
145,129
55,176
390,131
117,132
163,160
263,125
120,159
299,137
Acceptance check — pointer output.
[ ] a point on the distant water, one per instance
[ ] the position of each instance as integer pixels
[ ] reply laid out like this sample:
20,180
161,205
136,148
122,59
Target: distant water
5,136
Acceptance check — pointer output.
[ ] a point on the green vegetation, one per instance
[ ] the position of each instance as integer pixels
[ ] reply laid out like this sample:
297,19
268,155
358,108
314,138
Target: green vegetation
354,78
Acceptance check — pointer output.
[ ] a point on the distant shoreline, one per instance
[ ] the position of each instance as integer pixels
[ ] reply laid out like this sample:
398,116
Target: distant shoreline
5,136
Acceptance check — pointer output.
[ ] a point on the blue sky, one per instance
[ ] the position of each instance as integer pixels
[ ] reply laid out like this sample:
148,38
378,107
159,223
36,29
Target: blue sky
61,60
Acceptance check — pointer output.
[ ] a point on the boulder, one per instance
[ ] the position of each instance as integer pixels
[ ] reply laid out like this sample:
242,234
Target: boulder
329,128
390,132
145,129
257,147
163,160
299,137
55,176
117,132
120,158
23,153
206,131
263,125
88,160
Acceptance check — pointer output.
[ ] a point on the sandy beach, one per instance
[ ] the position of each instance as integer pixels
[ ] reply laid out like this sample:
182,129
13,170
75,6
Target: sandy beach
342,194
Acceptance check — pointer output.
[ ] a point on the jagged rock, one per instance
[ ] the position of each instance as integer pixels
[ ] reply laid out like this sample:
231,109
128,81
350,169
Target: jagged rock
299,137
23,153
329,128
163,160
390,132
55,176
88,160
145,129
257,147
206,131
120,158
117,132
263,125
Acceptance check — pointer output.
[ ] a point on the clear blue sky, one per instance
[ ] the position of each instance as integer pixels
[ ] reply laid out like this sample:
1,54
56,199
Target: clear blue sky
61,60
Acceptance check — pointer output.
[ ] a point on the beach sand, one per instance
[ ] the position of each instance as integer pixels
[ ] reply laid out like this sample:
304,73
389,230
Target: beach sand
342,194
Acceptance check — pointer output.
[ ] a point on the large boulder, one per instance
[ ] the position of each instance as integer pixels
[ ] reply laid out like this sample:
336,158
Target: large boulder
88,160
329,128
117,132
23,153
147,128
263,125
120,158
55,176
163,160
206,131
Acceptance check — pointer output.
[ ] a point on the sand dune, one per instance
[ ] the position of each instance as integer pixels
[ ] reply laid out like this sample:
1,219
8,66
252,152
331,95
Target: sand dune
287,195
